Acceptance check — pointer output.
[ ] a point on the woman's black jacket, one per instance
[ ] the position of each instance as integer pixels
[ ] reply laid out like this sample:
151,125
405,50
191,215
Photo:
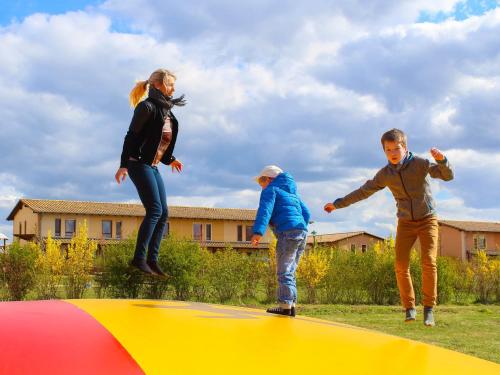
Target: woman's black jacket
145,131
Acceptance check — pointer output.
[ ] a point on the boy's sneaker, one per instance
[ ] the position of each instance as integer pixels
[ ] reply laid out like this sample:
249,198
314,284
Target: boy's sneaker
141,265
410,315
280,311
156,269
429,317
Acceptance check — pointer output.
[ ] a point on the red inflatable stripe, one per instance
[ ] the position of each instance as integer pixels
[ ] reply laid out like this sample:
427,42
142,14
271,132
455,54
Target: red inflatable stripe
55,337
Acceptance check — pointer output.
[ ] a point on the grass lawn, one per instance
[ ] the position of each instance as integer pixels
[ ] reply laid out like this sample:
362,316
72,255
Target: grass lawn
473,330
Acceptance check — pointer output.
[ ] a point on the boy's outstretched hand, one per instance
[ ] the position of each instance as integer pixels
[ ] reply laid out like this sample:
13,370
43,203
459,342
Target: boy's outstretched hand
329,207
437,154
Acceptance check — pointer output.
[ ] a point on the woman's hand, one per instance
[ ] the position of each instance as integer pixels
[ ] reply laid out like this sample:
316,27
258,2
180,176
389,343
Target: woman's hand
176,166
121,174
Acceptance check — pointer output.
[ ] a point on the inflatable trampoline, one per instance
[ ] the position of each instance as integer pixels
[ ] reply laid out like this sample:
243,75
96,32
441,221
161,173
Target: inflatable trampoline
170,337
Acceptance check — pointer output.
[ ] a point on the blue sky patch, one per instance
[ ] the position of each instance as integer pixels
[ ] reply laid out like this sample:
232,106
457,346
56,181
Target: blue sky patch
462,11
17,10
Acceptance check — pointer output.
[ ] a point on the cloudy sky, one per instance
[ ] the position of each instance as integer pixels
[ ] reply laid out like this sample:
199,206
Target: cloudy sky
307,85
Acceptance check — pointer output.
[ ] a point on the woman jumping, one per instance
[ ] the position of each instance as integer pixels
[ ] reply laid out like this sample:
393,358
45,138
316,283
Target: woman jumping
150,140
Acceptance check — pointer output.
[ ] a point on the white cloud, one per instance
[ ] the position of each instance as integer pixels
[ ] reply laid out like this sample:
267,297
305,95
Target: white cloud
310,86
442,119
242,199
9,194
474,159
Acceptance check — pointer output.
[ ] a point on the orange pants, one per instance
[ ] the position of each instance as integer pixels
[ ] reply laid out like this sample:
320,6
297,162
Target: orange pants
427,231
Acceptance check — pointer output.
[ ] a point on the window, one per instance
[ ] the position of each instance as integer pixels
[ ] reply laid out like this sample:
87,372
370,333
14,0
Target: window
208,232
20,228
249,233
166,232
118,230
197,232
363,248
25,232
353,247
69,228
479,242
57,228
239,233
107,228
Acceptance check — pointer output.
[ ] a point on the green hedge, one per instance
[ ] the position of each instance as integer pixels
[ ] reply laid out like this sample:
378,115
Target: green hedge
228,276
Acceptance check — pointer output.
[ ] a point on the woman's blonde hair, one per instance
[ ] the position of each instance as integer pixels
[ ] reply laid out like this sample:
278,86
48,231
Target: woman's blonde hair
140,88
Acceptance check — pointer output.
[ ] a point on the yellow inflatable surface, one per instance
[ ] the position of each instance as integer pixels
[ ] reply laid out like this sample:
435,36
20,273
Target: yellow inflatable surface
193,338
169,337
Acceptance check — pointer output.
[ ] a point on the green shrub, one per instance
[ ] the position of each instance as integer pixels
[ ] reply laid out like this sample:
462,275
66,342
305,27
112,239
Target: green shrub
17,266
180,259
115,277
201,282
462,283
381,284
155,287
269,276
446,273
226,274
334,286
253,268
346,277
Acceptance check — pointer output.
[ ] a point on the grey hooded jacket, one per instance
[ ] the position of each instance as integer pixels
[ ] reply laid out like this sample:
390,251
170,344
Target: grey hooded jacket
408,183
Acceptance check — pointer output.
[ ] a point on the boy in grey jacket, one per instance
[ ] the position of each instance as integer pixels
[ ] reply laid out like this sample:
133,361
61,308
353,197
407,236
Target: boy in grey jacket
406,176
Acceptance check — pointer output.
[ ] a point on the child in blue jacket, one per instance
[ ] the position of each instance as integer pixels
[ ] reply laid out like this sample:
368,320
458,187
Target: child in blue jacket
282,209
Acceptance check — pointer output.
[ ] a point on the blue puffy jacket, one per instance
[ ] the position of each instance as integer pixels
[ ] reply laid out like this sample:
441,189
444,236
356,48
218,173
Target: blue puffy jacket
281,207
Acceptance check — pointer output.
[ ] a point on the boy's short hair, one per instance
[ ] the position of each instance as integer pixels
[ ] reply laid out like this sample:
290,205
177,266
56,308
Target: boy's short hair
393,135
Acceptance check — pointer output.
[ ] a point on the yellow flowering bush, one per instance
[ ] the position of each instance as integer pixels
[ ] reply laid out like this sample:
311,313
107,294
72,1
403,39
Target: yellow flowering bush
312,269
79,264
49,269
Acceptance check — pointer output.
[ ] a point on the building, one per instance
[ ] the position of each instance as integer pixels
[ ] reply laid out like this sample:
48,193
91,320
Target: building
353,241
462,239
214,228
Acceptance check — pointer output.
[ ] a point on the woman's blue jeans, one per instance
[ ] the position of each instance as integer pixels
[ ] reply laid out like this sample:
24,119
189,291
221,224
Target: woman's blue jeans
289,249
149,185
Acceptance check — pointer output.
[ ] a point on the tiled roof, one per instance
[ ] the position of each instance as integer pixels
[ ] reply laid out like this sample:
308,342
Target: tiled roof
335,237
472,226
129,209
